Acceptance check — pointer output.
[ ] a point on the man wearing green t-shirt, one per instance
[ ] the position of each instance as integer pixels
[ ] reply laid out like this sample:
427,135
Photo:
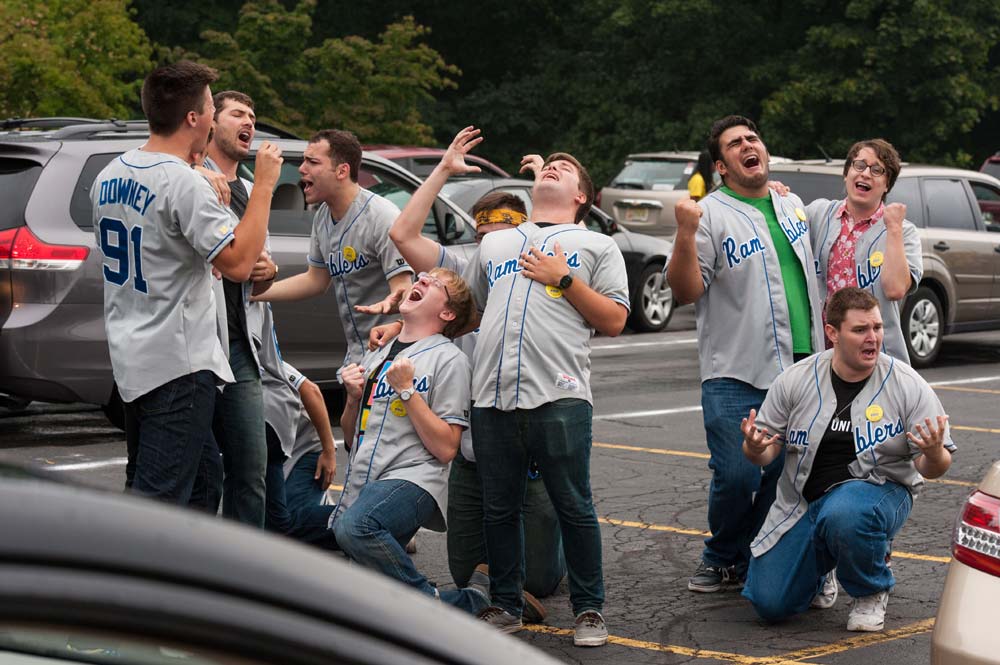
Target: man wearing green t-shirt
742,255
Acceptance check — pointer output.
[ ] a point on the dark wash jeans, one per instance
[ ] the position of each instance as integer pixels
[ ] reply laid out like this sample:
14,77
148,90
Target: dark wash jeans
173,456
239,429
740,493
544,565
557,435
293,503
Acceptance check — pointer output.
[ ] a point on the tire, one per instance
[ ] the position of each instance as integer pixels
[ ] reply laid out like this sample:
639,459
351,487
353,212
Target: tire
922,319
114,410
652,302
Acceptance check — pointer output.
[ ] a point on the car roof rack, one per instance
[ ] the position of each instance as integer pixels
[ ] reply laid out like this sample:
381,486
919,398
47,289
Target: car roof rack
44,123
61,128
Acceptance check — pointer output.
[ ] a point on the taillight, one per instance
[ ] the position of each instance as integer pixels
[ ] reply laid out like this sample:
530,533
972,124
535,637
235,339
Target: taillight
977,534
20,249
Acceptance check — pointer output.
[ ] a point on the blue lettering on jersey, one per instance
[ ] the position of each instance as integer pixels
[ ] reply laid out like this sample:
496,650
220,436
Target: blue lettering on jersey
875,434
127,192
384,391
868,275
511,266
795,230
746,250
338,265
798,438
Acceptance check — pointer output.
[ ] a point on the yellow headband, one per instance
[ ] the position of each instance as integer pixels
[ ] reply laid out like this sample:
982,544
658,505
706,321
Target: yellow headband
500,216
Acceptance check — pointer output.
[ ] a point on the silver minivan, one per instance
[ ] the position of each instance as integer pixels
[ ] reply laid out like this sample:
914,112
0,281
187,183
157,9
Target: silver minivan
52,340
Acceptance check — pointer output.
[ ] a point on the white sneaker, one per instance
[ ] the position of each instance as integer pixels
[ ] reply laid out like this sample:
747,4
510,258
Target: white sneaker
868,613
827,596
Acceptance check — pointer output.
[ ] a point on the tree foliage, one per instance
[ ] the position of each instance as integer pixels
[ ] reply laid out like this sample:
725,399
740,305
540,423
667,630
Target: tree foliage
70,57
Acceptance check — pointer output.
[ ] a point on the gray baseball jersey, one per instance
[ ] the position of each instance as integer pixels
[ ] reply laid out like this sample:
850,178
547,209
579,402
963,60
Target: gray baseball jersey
744,328
467,342
391,448
824,229
283,409
360,257
159,224
534,346
799,406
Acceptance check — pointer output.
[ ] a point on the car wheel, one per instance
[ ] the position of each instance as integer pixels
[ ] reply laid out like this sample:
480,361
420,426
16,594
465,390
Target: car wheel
923,325
652,302
115,409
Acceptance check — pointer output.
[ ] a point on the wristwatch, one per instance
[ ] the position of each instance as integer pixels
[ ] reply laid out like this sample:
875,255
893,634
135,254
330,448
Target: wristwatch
406,394
566,281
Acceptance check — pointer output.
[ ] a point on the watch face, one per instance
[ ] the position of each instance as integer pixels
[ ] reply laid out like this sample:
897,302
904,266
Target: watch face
565,282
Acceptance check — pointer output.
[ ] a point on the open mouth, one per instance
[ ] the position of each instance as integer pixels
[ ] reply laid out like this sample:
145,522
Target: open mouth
551,175
415,296
751,161
869,354
244,137
306,185
862,186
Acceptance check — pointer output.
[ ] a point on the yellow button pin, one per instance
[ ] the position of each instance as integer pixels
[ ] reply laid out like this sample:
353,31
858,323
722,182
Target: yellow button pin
553,291
874,413
801,214
350,253
876,259
397,408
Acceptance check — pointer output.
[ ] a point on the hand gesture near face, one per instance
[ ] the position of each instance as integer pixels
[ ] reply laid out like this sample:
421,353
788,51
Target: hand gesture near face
757,440
453,161
267,165
353,378
931,440
400,374
688,216
533,163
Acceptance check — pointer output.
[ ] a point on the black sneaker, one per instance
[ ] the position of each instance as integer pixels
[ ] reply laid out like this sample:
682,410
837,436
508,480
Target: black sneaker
709,579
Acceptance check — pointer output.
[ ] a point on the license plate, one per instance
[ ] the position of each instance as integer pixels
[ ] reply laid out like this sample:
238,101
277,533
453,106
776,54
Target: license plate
636,214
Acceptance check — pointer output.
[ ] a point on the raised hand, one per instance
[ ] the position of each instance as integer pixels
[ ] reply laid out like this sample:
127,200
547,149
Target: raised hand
533,163
931,440
353,378
688,216
267,165
453,161
894,215
400,374
757,440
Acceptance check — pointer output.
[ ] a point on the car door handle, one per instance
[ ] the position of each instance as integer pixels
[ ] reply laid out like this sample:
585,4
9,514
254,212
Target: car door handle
942,246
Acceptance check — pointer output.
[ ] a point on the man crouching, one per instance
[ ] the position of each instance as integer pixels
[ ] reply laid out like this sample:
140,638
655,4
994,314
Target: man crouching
407,404
861,431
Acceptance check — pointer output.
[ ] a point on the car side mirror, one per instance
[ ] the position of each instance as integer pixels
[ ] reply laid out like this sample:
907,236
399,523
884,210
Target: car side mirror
451,230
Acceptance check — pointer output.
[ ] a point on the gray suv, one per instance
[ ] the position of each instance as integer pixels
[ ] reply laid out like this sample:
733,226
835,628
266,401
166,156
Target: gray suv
52,339
957,214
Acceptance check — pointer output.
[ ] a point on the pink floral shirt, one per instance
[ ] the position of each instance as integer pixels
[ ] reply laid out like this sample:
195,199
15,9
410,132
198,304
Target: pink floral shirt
840,271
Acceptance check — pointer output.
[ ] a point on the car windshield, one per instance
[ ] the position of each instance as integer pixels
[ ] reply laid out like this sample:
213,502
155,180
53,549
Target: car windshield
654,174
811,186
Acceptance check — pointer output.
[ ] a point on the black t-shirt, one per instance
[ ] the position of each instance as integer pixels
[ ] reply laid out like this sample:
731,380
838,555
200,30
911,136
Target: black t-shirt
836,450
236,315
373,378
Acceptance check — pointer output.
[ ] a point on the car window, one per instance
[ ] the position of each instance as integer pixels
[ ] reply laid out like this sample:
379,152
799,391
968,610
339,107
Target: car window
658,174
948,205
811,186
290,216
80,207
396,190
992,168
17,179
907,192
988,199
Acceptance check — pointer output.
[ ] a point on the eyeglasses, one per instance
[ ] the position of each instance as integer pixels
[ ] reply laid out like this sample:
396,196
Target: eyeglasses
434,281
860,165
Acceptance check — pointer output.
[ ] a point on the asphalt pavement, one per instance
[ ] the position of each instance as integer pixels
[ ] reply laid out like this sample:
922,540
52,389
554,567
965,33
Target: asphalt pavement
650,481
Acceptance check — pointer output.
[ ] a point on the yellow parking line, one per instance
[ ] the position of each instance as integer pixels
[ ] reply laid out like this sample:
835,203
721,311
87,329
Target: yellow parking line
966,428
684,453
969,390
857,642
653,527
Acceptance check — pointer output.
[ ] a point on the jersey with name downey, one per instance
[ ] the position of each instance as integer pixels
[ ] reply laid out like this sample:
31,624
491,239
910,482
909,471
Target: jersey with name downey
744,328
391,448
534,346
457,263
869,256
159,224
360,258
799,406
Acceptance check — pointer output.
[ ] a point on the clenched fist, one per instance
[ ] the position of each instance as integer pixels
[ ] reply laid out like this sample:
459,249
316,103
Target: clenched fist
688,216
894,215
267,165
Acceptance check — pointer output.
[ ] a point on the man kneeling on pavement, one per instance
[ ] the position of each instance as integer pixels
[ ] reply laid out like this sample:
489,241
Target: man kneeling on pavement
407,405
861,431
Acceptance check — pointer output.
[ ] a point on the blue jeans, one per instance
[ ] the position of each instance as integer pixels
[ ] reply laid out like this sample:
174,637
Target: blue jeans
293,503
558,436
169,435
239,429
740,494
374,531
851,527
544,564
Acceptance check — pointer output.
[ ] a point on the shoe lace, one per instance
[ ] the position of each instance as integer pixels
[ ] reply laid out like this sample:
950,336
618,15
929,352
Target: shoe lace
590,620
868,604
491,613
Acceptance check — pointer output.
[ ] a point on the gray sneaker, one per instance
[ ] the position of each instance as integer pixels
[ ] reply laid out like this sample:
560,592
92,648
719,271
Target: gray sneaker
709,579
827,596
589,630
479,582
501,619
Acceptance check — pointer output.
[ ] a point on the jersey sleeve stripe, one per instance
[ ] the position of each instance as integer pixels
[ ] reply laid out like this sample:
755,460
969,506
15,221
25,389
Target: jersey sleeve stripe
314,262
228,238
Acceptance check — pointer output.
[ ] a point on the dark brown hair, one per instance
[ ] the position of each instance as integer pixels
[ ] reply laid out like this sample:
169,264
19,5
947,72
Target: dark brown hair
219,99
498,199
460,301
586,184
849,298
344,148
885,153
170,92
721,125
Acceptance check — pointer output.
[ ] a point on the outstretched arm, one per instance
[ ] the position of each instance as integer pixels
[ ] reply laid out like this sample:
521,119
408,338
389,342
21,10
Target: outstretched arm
312,282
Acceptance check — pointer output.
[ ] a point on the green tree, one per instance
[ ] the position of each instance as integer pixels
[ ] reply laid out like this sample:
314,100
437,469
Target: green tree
71,57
